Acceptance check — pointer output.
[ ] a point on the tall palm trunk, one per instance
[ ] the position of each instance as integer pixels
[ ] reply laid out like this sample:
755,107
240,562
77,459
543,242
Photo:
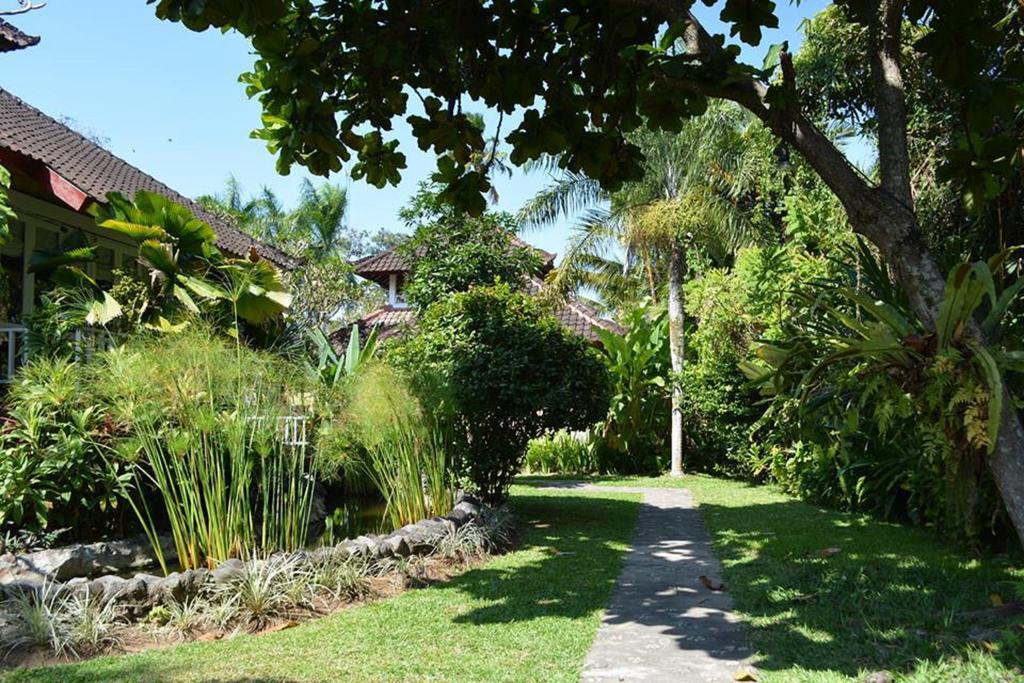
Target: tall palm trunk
677,350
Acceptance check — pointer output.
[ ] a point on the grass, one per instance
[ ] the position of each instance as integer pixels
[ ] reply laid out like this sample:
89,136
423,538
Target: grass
892,598
529,615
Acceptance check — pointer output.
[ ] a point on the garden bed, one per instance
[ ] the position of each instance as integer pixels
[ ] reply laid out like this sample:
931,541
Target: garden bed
46,620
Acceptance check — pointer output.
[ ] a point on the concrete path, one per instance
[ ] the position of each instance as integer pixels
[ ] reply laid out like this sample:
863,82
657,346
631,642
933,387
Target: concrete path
663,623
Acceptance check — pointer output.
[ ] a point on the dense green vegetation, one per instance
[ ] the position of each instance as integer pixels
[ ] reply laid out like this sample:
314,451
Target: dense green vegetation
512,372
529,615
933,83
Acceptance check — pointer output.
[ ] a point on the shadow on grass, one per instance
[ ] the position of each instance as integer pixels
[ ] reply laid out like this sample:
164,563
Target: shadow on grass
828,591
891,596
565,568
582,540
660,593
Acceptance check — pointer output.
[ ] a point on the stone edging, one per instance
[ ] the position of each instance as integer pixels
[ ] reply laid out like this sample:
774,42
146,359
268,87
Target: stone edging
145,590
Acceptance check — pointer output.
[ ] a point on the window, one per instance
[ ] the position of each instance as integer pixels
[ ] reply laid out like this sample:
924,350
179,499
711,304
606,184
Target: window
103,267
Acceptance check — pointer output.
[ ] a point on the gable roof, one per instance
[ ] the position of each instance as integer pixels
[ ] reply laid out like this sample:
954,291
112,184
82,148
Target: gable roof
12,39
96,172
577,316
378,267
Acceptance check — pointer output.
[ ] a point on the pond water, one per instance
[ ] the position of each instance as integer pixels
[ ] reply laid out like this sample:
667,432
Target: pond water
353,517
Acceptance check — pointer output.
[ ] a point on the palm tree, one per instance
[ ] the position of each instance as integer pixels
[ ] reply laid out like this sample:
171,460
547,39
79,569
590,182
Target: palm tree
319,219
689,199
261,215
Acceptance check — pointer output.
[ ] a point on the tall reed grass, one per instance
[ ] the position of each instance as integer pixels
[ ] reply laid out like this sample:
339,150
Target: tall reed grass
207,436
408,446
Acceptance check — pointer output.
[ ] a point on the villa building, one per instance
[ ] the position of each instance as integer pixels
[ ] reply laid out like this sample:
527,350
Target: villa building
390,270
56,175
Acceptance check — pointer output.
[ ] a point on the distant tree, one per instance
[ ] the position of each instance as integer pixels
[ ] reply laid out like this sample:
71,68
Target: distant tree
691,199
316,233
452,251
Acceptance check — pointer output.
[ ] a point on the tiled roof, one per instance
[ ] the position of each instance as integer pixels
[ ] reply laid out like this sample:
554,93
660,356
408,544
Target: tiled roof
392,261
96,172
388,321
12,39
574,315
577,316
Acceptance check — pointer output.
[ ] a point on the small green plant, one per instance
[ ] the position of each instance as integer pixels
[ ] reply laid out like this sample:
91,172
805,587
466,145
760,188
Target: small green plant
563,452
342,577
158,615
333,367
95,623
66,623
184,618
264,590
493,532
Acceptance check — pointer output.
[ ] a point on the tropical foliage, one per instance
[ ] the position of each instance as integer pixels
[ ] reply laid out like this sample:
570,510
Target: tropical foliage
634,430
512,373
451,251
317,235
562,452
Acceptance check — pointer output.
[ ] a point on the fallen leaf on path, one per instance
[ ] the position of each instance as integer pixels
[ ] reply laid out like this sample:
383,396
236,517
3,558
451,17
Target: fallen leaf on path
711,585
745,674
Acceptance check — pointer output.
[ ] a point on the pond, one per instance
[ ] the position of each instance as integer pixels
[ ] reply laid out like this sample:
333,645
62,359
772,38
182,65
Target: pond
353,517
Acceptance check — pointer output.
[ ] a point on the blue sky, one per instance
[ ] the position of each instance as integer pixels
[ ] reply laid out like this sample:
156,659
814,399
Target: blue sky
168,100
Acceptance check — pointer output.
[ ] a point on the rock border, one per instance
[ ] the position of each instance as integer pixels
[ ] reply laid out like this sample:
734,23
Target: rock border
144,591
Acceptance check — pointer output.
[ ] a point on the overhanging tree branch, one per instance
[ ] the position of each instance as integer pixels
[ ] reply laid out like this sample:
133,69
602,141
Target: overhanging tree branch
24,6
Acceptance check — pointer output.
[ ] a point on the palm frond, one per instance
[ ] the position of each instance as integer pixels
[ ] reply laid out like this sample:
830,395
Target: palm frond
569,194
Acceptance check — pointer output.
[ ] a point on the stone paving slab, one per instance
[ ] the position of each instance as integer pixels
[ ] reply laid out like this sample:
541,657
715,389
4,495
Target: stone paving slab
663,623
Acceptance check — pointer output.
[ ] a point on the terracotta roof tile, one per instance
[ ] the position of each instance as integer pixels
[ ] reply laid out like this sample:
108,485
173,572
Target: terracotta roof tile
392,261
388,321
12,39
577,316
574,315
96,172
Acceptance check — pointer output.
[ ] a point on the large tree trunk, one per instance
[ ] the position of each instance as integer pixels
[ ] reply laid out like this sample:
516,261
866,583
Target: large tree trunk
885,214
677,351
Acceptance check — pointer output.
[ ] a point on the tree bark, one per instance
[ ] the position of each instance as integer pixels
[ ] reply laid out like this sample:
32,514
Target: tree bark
677,351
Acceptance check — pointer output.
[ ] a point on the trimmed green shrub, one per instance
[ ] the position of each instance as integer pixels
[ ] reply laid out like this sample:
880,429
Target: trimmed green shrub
513,373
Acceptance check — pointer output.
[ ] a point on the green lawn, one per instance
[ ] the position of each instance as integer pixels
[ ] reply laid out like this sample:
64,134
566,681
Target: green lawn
527,616
892,598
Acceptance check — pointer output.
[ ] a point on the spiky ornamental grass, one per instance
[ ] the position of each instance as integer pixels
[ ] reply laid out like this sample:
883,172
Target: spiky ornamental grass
207,425
63,622
408,447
